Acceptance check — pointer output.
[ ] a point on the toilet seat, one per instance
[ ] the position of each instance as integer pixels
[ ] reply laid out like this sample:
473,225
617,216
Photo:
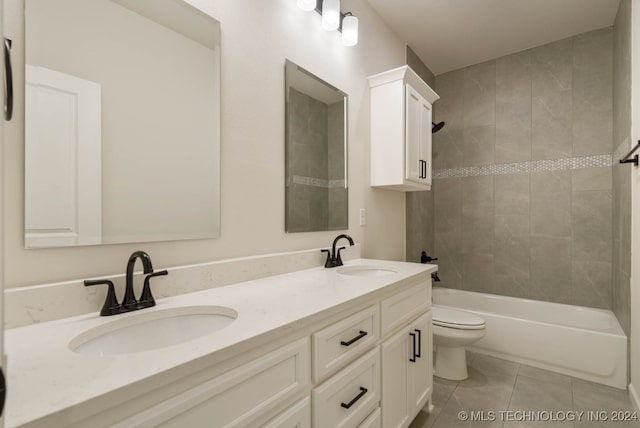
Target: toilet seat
452,318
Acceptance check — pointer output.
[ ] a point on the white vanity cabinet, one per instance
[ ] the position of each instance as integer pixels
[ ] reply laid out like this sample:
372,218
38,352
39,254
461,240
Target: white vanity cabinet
363,361
366,367
401,115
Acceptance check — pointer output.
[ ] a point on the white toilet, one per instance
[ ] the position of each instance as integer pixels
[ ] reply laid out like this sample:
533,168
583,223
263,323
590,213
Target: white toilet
453,329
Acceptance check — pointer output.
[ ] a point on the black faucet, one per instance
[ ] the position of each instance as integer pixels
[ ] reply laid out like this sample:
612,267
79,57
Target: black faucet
129,303
333,256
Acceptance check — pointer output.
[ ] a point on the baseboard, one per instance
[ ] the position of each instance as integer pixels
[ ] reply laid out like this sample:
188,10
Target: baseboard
635,398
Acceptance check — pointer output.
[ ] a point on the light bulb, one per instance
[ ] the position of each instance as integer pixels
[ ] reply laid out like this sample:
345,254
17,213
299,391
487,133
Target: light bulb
331,14
307,5
350,30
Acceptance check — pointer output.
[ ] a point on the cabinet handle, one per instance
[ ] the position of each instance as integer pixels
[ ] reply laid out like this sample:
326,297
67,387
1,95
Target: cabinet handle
356,398
413,358
423,169
3,391
8,81
419,344
355,339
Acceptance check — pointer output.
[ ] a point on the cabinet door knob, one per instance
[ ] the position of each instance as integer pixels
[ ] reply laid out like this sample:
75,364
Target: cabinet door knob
419,347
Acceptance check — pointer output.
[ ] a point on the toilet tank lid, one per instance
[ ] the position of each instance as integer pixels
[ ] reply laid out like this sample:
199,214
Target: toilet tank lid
452,316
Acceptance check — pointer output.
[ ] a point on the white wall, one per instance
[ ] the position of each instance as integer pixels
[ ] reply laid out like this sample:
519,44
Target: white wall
257,36
635,196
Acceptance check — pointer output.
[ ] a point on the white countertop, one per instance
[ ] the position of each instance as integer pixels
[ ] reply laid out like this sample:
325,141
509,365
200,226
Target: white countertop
45,377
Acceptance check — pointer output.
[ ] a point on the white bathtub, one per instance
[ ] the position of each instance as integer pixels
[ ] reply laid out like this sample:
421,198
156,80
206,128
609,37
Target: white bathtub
582,342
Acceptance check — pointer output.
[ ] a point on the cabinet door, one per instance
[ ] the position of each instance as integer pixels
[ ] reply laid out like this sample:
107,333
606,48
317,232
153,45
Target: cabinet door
414,167
395,389
420,376
425,140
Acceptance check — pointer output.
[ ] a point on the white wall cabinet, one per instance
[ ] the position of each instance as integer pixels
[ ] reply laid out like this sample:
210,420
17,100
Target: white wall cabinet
401,114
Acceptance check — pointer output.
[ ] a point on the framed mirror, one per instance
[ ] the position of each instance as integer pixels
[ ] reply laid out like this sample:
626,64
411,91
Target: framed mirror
316,194
122,122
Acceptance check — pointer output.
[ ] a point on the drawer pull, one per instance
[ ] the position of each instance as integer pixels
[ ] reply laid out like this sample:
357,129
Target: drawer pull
356,398
355,339
419,348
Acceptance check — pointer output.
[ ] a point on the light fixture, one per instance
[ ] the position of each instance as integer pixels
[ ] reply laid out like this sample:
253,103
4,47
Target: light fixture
307,5
349,30
333,19
331,14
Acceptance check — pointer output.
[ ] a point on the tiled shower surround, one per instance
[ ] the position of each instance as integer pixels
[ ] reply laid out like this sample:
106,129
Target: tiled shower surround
522,197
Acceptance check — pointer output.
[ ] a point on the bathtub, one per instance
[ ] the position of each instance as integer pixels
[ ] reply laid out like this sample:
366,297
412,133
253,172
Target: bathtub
581,342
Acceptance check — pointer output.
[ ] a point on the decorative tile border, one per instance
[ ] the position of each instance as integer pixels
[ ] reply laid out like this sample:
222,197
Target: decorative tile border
316,182
596,161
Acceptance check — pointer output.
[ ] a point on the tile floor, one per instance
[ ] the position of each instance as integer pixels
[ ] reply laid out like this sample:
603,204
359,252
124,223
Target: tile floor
498,385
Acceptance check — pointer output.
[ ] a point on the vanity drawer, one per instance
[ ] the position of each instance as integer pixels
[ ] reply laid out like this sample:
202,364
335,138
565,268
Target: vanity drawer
342,342
347,398
404,307
296,416
241,397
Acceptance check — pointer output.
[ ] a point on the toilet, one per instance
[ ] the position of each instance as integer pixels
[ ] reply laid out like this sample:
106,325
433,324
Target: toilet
453,329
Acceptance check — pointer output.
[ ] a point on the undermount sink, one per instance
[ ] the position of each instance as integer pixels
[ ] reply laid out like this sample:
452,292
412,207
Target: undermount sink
152,330
367,271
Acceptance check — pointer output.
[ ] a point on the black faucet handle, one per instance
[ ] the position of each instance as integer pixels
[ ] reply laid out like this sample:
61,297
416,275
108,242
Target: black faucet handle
111,305
146,298
424,258
338,257
329,262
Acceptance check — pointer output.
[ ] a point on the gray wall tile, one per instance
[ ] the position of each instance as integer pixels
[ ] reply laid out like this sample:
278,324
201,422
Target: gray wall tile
479,95
621,175
552,100
512,194
448,231
420,220
550,275
592,92
512,247
478,147
591,284
513,108
591,179
551,204
448,142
